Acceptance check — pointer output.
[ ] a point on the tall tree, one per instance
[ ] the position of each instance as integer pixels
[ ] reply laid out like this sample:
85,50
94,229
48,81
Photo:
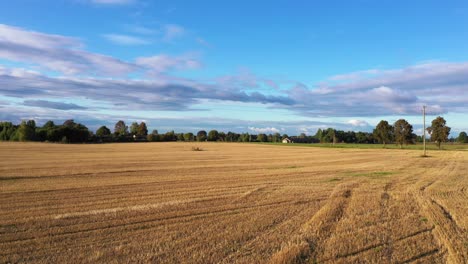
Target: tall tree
276,137
120,129
188,136
439,131
26,130
142,129
7,131
201,135
213,135
103,131
463,137
262,137
383,132
403,132
134,128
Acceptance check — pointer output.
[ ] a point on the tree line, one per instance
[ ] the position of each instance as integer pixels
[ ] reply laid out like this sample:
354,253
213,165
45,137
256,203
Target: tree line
401,133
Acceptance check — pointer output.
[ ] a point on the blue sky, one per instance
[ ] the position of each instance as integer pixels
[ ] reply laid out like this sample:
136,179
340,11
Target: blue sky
244,66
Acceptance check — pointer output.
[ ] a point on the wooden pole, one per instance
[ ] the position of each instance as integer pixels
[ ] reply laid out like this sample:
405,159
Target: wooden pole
424,129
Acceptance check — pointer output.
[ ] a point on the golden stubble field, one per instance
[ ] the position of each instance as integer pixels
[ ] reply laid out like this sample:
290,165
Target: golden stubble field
231,203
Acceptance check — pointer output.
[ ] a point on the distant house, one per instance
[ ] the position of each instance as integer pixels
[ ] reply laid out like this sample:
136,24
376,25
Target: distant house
287,141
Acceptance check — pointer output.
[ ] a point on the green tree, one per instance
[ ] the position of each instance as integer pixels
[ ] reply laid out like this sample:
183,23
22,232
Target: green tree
222,136
262,138
276,137
170,136
319,135
180,137
403,132
142,129
120,129
7,131
213,135
328,136
439,131
188,136
134,128
201,135
462,137
383,132
26,131
103,132
245,137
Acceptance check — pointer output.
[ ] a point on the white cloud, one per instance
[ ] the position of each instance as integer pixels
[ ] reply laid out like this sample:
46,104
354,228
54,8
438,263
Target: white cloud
358,123
264,130
57,53
162,63
172,32
126,39
141,30
66,55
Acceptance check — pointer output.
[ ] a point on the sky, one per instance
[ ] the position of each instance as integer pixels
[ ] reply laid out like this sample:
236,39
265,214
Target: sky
245,66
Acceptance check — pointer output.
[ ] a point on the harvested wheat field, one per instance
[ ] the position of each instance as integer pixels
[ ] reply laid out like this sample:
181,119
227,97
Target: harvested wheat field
231,203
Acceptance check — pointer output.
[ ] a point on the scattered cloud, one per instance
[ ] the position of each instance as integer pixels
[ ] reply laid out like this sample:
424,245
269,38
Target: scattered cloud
66,55
126,39
57,53
172,31
389,92
264,130
358,123
53,105
162,63
85,75
163,93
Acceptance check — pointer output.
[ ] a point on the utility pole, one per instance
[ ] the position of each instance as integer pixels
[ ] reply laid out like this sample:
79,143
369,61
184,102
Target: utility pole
424,130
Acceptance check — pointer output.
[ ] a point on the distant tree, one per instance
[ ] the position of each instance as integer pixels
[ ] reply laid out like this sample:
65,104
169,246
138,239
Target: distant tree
49,125
262,137
276,137
222,136
383,132
244,137
188,136
26,130
213,135
103,131
201,135
439,131
120,128
328,136
134,128
180,137
284,136
7,131
302,135
142,129
71,132
69,123
154,132
153,137
462,137
403,132
319,135
270,138
169,136
232,137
